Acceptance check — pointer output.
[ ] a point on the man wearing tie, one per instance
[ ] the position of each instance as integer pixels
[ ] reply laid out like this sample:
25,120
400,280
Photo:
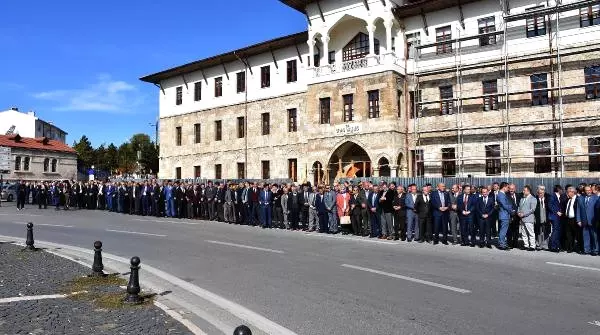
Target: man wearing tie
373,202
570,225
556,207
515,222
505,211
265,204
466,209
586,220
542,221
412,217
486,210
423,207
440,206
527,207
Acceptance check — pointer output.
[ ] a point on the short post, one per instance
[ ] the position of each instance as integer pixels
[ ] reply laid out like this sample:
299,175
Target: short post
133,287
29,241
97,267
242,330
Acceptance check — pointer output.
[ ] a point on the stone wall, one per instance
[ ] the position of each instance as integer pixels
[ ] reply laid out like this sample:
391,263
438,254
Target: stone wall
66,167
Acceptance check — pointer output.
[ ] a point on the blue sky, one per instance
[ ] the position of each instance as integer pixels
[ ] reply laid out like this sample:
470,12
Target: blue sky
77,63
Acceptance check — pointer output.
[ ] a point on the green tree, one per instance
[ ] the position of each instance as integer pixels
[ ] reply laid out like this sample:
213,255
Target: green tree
111,157
85,152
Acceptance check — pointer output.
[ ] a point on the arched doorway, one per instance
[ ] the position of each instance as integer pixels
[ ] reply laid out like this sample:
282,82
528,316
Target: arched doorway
349,160
384,167
317,169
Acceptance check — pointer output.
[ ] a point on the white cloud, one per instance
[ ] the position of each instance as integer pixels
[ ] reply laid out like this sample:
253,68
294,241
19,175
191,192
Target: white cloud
104,95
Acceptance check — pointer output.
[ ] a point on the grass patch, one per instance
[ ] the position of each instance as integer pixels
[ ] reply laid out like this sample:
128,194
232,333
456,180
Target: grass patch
90,283
103,292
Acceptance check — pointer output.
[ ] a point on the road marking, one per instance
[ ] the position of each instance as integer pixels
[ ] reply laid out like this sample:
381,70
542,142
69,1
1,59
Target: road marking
245,246
37,297
574,266
134,232
51,225
192,327
164,221
414,280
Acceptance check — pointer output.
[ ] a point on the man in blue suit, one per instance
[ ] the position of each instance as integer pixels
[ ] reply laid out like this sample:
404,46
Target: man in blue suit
169,201
440,203
557,202
505,211
586,219
486,210
264,200
372,204
466,206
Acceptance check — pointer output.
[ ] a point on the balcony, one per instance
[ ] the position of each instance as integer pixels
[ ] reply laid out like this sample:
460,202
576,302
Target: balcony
360,66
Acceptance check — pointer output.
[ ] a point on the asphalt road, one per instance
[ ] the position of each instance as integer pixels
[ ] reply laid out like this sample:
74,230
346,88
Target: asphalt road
318,284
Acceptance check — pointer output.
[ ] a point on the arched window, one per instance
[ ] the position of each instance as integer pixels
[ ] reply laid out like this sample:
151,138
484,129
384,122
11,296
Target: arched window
358,47
46,164
54,165
18,163
26,164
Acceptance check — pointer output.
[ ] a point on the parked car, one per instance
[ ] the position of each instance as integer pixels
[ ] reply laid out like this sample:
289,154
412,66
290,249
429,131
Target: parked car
9,192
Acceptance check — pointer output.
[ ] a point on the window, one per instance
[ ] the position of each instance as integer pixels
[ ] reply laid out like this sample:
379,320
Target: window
324,110
179,95
241,82
493,165
317,60
589,16
293,169
418,166
53,166
443,34
218,171
539,85
18,163
399,102
448,162
487,25
414,98
46,164
198,91
292,71
594,154
447,103
218,87
373,104
292,120
26,164
490,102
197,133
178,173
266,123
393,44
265,76
348,107
177,136
412,41
331,57
241,127
358,47
265,169
542,162
592,81
218,130
241,170
197,171
536,25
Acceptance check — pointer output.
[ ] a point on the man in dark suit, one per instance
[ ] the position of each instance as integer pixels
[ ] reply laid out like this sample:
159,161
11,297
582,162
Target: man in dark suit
293,206
515,222
210,193
373,206
440,205
556,206
543,223
400,214
570,221
265,199
466,206
486,211
423,208
322,212
220,202
253,205
240,203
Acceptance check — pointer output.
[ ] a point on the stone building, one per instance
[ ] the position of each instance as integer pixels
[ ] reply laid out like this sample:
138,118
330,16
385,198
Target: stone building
394,88
38,159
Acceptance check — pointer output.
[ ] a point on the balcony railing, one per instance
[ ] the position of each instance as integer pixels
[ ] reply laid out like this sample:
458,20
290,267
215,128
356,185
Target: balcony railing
357,64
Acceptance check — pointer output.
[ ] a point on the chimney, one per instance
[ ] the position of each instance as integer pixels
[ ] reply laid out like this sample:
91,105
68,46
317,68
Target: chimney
16,109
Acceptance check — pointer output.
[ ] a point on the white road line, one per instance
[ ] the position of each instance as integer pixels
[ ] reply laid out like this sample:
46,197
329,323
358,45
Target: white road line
51,225
163,221
134,232
37,297
414,280
574,266
245,246
192,327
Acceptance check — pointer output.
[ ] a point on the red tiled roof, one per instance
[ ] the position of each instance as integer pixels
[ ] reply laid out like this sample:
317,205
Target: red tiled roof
44,144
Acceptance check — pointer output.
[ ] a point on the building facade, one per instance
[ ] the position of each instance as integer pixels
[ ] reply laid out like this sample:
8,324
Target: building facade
394,88
38,159
13,121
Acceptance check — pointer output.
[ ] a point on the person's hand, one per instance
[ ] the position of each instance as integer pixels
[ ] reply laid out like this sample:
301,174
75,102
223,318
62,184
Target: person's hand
579,224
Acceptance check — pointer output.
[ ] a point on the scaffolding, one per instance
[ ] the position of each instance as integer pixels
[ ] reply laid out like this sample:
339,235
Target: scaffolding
554,55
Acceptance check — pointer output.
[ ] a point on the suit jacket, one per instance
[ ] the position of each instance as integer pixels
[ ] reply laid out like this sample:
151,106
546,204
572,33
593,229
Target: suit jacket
586,213
556,204
210,193
356,201
329,199
320,204
470,206
436,203
265,199
488,208
373,200
294,201
409,203
400,201
527,207
387,204
422,206
505,206
538,209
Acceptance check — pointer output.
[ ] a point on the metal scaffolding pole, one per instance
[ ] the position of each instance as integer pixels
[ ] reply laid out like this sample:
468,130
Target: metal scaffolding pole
505,10
560,97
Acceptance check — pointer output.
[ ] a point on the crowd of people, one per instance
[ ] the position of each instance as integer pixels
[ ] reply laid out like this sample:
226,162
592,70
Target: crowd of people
561,219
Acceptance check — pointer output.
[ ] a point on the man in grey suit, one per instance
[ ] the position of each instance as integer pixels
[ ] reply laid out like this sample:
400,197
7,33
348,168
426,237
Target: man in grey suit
313,215
526,211
364,212
330,206
453,215
412,218
284,207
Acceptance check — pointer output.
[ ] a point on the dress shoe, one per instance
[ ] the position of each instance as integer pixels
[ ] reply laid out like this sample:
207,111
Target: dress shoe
435,242
489,246
445,242
421,241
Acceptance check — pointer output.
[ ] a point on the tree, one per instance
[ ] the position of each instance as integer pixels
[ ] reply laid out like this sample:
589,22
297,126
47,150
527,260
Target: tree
85,152
111,158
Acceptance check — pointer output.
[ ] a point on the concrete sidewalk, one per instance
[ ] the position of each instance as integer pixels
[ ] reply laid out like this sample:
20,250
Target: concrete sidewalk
41,293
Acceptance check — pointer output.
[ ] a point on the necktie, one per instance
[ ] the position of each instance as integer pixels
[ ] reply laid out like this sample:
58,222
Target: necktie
586,201
426,198
442,198
466,200
569,208
485,200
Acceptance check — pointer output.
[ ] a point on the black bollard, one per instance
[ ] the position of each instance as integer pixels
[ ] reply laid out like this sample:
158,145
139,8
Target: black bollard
97,267
133,287
29,241
242,330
